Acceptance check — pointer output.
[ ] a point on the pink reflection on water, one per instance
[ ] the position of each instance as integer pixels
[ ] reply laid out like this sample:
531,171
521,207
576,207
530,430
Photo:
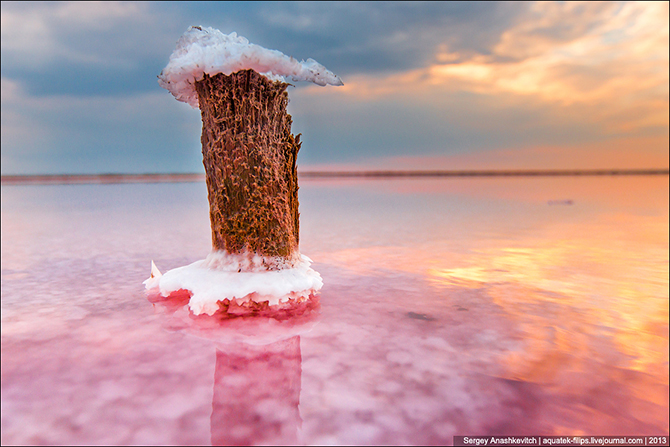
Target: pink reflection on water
586,288
257,393
449,307
257,377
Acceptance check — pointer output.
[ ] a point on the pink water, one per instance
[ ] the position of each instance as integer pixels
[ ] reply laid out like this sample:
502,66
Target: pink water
450,307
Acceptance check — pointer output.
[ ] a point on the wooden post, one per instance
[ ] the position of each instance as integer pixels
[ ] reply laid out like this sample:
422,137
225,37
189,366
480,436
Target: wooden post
250,157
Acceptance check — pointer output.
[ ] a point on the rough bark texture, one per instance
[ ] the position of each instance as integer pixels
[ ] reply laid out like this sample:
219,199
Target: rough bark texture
250,157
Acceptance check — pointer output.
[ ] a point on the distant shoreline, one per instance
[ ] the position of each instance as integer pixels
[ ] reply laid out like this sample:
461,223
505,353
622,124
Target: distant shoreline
60,179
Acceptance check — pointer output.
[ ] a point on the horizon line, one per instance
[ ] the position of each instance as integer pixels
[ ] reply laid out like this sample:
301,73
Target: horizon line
46,179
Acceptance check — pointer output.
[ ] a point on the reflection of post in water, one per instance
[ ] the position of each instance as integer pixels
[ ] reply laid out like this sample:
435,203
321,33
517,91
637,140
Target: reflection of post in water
256,393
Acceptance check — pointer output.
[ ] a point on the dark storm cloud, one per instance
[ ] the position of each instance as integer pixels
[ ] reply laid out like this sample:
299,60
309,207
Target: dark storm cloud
123,54
373,37
365,37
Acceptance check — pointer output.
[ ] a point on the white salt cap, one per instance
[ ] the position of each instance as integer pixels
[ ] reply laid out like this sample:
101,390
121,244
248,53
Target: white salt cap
205,50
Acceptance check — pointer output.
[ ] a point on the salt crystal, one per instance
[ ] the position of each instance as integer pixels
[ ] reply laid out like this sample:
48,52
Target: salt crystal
205,50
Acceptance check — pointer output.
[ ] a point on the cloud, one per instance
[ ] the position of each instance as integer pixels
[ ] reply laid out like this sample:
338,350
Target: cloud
430,79
608,68
614,70
374,37
94,48
83,48
147,132
417,120
35,35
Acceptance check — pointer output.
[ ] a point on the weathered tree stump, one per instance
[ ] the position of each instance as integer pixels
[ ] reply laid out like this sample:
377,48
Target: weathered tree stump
250,158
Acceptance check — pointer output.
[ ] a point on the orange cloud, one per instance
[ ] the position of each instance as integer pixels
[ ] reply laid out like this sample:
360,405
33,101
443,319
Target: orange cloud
602,63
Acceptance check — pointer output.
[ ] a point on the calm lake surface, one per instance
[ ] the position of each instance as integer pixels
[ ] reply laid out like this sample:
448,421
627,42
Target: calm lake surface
450,306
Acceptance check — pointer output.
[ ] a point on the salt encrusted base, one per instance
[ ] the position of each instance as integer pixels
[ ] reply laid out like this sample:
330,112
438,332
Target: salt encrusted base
225,278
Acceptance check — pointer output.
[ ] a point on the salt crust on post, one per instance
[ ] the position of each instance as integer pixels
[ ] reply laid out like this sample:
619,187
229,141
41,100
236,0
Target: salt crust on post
205,50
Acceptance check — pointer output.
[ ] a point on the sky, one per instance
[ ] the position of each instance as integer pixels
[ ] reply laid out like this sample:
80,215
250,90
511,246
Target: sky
427,85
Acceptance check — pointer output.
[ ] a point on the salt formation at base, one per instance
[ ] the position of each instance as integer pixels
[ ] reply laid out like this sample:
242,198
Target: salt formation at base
205,50
218,278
